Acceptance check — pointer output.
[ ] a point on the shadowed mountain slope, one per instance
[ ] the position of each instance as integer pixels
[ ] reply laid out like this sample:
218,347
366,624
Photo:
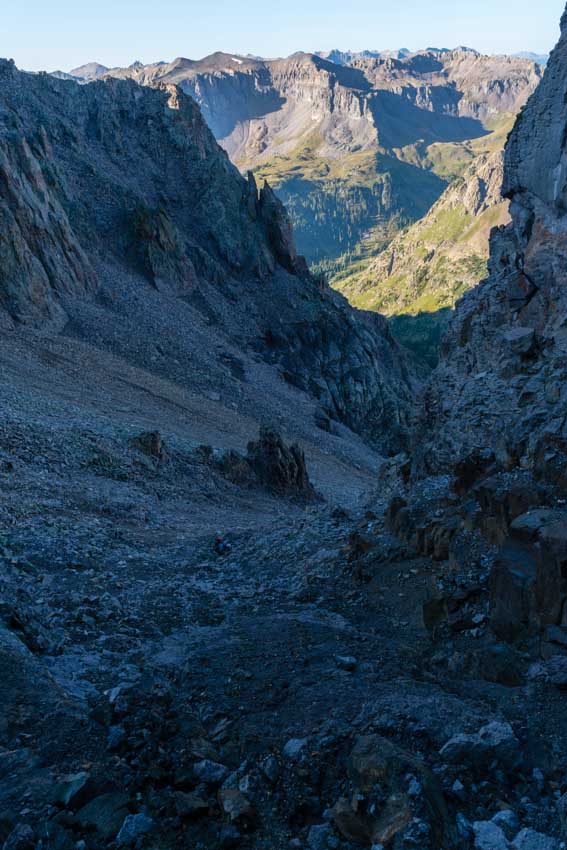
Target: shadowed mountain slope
504,353
125,224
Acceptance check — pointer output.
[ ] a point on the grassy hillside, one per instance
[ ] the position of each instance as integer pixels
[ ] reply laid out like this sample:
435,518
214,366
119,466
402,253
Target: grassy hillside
332,200
420,274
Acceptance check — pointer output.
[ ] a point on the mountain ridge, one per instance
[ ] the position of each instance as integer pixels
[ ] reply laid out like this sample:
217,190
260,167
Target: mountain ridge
349,146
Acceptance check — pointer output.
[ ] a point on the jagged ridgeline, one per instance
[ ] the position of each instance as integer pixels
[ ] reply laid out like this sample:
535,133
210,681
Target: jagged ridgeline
123,222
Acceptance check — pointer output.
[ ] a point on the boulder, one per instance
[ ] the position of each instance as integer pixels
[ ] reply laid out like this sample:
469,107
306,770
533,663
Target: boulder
294,748
528,584
105,814
521,341
190,805
494,742
133,828
22,837
555,671
318,836
210,772
489,836
504,497
508,822
236,807
529,839
551,578
512,591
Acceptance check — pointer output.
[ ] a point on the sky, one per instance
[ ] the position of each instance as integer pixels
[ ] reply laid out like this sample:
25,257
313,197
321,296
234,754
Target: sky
62,34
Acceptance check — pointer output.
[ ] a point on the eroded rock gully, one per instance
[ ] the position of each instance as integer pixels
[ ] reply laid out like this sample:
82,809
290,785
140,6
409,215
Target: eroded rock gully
377,654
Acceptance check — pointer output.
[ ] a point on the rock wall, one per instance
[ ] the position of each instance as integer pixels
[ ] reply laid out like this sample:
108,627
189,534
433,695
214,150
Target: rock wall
500,382
493,416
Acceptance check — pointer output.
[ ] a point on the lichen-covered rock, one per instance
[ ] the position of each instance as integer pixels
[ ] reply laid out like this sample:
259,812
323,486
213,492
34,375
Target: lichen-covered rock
392,790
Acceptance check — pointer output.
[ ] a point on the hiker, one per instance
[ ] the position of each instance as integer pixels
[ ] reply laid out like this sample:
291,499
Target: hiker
221,546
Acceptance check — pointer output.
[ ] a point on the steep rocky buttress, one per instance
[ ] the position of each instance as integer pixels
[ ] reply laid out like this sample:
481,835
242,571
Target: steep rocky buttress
501,379
493,425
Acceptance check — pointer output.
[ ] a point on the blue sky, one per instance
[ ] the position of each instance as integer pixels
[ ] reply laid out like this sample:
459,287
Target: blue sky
65,33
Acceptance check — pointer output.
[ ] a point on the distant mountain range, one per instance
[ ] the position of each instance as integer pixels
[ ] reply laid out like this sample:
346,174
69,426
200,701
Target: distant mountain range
362,147
93,70
540,58
367,142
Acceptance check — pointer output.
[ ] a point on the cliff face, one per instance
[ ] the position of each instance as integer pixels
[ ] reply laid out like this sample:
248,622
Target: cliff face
41,255
112,192
501,382
106,167
491,441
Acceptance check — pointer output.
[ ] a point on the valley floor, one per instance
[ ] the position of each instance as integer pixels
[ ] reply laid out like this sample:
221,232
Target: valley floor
158,694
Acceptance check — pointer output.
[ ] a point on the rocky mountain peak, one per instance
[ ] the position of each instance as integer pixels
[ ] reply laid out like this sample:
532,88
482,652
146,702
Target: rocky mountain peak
89,71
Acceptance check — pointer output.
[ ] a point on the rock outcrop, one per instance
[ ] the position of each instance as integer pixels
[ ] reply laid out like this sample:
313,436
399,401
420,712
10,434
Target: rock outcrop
116,198
270,464
279,468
